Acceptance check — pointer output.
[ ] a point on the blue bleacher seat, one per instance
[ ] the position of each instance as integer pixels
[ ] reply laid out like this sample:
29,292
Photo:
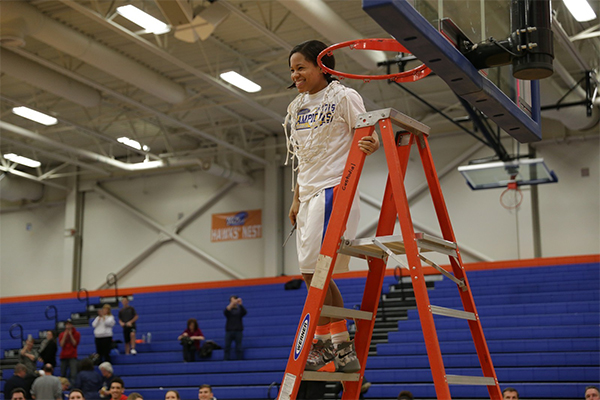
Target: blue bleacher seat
541,325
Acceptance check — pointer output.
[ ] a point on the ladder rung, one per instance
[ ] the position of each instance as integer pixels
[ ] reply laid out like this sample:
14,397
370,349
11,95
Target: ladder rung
470,380
450,312
345,313
330,376
367,246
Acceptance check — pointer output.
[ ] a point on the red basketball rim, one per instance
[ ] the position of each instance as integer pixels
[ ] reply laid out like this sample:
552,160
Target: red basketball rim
412,75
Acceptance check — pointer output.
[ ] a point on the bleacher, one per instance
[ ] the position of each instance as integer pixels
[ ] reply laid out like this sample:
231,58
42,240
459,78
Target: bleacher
541,326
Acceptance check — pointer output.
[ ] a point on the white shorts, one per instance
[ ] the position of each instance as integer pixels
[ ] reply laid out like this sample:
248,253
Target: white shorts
312,220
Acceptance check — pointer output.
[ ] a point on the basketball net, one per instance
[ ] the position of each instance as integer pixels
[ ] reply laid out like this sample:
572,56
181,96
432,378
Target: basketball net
512,197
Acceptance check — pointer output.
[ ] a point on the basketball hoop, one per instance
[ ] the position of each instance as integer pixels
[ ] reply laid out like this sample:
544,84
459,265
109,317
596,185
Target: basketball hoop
512,197
413,75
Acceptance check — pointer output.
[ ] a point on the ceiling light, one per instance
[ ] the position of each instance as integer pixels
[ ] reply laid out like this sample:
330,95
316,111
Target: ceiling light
132,143
143,19
238,80
35,116
580,9
22,160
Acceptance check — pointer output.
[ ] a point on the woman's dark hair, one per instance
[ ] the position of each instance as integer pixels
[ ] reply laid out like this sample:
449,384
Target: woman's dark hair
86,365
311,50
174,391
192,321
77,391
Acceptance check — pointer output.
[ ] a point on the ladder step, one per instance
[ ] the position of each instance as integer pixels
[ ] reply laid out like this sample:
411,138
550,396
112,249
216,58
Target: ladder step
450,312
367,247
345,313
470,380
330,376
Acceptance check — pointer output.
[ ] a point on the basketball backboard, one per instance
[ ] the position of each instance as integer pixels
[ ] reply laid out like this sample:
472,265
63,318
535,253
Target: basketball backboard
529,171
513,105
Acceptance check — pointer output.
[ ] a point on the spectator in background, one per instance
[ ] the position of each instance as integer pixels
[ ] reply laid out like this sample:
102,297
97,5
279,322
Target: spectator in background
28,356
234,328
405,395
48,349
69,340
510,394
190,340
592,393
127,319
17,394
106,369
117,387
88,380
47,386
65,385
135,396
103,332
172,395
76,394
20,380
206,393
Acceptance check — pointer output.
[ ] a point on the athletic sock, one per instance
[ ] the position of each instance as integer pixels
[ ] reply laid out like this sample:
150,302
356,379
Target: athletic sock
323,332
339,332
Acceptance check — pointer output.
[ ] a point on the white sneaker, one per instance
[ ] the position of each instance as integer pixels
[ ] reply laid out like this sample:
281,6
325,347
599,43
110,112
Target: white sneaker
133,352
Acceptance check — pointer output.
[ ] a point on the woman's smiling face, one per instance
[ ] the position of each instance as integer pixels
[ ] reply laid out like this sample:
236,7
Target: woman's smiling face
307,76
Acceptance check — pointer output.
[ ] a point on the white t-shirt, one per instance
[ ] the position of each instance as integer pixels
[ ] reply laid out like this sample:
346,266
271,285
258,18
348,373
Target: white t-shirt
322,126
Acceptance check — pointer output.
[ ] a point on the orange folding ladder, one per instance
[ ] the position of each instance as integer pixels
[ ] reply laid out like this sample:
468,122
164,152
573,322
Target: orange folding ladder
377,251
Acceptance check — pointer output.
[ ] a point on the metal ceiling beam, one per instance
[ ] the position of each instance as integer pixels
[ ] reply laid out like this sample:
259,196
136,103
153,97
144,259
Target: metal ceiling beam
31,22
168,57
55,156
33,178
84,129
143,107
269,34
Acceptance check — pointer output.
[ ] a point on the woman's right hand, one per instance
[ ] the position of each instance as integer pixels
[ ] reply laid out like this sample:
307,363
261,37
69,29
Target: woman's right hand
294,211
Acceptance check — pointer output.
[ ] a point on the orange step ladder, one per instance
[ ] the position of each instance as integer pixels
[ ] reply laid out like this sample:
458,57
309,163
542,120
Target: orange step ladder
379,249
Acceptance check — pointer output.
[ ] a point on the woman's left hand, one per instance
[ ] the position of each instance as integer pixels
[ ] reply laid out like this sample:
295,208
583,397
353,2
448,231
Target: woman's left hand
369,144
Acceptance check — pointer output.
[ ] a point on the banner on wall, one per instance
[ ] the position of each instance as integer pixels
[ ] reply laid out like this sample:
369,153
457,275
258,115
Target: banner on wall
236,226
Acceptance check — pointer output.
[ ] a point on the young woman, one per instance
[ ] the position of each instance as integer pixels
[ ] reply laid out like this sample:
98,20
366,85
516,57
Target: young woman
88,380
103,333
48,349
172,395
190,340
322,119
76,394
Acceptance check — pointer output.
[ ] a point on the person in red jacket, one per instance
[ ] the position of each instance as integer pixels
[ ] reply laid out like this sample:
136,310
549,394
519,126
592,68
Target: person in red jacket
69,340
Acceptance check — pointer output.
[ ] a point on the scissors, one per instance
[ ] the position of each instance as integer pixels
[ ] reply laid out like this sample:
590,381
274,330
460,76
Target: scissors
290,235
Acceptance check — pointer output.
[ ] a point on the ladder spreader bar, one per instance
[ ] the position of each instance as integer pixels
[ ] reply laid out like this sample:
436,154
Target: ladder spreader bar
450,312
459,282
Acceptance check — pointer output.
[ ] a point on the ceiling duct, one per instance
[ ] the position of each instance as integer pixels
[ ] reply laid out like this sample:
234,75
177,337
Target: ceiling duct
25,20
16,189
33,73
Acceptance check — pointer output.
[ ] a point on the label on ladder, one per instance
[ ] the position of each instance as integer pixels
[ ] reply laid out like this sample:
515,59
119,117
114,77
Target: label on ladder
287,386
301,336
